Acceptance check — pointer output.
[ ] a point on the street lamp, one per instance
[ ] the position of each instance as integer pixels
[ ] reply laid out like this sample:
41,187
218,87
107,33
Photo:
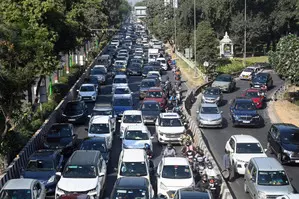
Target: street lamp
195,60
245,33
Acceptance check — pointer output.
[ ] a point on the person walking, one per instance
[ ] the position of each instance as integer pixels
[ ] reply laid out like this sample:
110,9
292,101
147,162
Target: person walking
227,171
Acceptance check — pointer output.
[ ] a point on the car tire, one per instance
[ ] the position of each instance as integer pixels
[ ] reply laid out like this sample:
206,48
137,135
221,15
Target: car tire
269,148
245,187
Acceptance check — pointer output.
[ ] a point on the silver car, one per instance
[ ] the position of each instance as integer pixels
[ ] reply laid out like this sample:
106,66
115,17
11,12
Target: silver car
209,116
88,92
225,82
212,95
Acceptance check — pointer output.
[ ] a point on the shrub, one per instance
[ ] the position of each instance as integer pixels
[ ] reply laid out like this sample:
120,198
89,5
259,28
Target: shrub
36,124
234,67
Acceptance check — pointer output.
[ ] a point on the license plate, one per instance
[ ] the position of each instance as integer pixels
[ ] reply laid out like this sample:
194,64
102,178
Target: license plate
296,161
256,86
172,136
72,120
246,122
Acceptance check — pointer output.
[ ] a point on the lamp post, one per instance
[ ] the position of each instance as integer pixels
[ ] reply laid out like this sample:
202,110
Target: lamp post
195,54
245,33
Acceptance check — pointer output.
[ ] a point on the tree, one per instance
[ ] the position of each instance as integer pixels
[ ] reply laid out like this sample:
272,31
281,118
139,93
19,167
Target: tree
285,59
140,3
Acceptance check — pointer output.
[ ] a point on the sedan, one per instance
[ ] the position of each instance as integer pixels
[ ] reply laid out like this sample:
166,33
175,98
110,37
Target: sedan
257,96
75,112
99,144
150,111
212,95
209,116
225,82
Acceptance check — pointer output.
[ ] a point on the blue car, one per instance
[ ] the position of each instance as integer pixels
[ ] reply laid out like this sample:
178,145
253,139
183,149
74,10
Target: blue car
122,103
243,113
42,166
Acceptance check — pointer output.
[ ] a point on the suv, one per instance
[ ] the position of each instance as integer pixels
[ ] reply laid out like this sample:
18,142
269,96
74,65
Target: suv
105,60
75,112
265,177
85,172
169,128
192,192
173,173
101,126
145,85
130,118
119,80
242,148
283,140
100,72
42,165
104,109
156,94
88,92
243,112
263,81
135,137
132,187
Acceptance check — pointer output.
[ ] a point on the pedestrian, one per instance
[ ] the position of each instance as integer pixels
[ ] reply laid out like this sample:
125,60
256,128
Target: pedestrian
227,174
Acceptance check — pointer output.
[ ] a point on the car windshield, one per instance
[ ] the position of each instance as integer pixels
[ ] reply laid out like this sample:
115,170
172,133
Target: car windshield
130,194
248,70
119,64
147,69
176,172
133,169
99,128
79,171
120,81
244,106
212,91
121,58
87,88
16,194
249,148
122,91
147,84
252,94
150,107
73,109
99,146
136,61
223,78
154,94
136,135
98,71
209,110
272,178
260,78
103,61
132,119
40,165
292,136
60,131
106,112
170,122
122,102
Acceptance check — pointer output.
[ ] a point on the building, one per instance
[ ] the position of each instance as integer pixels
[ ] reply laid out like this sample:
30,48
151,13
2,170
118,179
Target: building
140,11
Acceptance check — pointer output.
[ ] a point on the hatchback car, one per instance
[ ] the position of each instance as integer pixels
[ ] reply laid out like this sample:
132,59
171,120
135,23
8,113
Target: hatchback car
75,112
263,81
283,141
145,85
225,82
98,144
43,165
88,92
121,104
257,96
119,80
209,116
121,90
150,111
130,118
156,94
212,95
134,69
135,137
192,193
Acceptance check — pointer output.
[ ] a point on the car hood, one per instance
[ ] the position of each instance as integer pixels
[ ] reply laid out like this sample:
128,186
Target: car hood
42,176
83,94
210,96
247,156
99,76
56,143
256,99
77,184
173,130
175,184
136,144
290,147
122,108
246,112
246,73
119,84
160,100
219,83
258,82
210,116
151,113
275,190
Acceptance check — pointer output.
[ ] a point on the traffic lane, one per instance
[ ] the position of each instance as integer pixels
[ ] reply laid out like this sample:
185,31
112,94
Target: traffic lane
216,138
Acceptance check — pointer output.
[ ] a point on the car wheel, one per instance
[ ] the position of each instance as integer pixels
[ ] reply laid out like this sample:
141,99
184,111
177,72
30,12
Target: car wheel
245,187
269,148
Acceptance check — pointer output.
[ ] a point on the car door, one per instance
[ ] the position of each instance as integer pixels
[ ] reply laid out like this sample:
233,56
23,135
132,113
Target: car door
252,182
157,124
159,173
102,169
232,149
39,191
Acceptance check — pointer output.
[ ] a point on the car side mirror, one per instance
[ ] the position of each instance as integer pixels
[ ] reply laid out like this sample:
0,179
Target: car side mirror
221,112
58,174
265,150
157,175
252,179
101,174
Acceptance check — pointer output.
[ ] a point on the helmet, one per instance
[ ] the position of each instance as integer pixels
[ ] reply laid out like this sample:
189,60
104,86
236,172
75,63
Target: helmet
204,177
198,149
169,146
147,146
188,143
210,166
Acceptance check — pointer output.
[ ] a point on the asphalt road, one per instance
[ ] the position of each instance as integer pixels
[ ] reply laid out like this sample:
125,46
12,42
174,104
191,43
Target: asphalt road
216,138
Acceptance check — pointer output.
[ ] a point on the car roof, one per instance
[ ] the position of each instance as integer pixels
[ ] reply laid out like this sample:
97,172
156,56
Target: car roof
95,139
148,80
132,112
99,66
121,87
22,183
193,194
238,100
285,127
100,119
253,90
245,139
150,102
155,89
83,157
43,154
212,88
133,155
120,76
262,74
122,96
267,164
180,161
209,105
154,72
102,105
137,128
133,182
87,85
169,115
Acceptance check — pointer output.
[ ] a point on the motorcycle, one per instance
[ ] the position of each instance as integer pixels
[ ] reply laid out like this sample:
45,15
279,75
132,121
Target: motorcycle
149,153
214,186
199,165
190,156
178,96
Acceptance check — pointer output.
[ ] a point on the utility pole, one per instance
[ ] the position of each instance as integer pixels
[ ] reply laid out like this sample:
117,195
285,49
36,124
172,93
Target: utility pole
245,32
175,4
195,54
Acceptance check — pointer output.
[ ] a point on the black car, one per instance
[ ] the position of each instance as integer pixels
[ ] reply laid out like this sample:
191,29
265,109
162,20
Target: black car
75,112
150,111
132,187
97,143
134,69
145,85
146,69
263,81
192,193
138,61
61,136
93,80
283,140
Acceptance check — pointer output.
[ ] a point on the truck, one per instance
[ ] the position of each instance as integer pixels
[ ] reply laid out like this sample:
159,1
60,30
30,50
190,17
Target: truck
153,54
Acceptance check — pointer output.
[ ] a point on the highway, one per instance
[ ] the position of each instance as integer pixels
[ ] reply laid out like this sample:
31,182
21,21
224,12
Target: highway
216,138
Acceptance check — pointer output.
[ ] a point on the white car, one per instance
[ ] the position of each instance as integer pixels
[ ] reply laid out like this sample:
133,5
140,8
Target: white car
135,137
173,173
248,72
115,42
121,90
88,92
130,118
162,62
290,196
119,80
169,128
154,73
102,126
242,148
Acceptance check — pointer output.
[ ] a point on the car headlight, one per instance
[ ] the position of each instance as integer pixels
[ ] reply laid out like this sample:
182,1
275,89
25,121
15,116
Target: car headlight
161,133
236,117
201,118
92,191
163,186
288,152
52,179
262,195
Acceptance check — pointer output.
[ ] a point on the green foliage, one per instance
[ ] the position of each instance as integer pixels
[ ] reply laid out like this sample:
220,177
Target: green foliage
235,66
141,3
285,59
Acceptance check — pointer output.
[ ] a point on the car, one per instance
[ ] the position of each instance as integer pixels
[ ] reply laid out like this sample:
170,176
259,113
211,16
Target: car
243,113
74,196
150,111
105,60
283,141
121,60
115,42
163,63
146,69
119,70
121,90
23,189
192,193
61,136
249,72
134,69
119,80
43,165
289,196
154,73
92,79
173,173
212,95
137,61
156,94
209,116
100,72
121,104
99,144
75,112
169,128
85,173
145,85
263,81
132,188
88,92
265,177
225,82
104,109
135,137
101,126
134,162
241,149
256,95
130,118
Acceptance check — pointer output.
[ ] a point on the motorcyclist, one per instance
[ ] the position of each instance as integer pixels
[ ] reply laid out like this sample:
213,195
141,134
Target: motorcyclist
178,72
203,184
169,151
185,137
209,171
188,147
148,150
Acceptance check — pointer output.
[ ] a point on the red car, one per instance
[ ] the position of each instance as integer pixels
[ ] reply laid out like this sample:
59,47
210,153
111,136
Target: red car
257,96
156,94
